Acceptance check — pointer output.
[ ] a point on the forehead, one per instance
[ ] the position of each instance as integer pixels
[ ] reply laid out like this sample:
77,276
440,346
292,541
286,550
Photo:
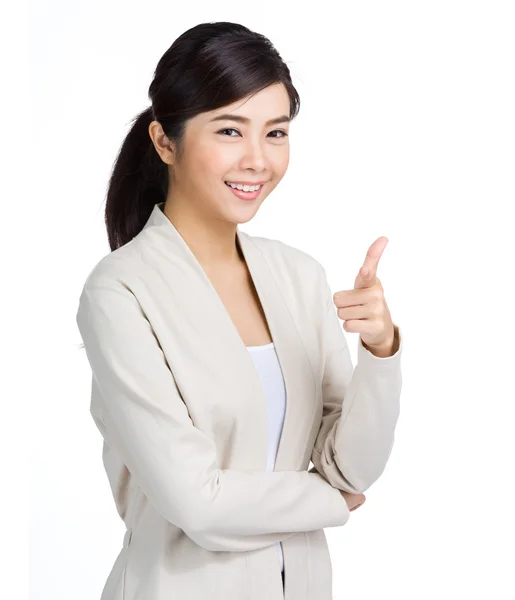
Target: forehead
268,104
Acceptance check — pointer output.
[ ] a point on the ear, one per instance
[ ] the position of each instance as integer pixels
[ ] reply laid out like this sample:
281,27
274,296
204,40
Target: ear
164,147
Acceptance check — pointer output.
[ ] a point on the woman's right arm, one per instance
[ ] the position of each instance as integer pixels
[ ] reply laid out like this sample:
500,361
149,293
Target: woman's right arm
174,462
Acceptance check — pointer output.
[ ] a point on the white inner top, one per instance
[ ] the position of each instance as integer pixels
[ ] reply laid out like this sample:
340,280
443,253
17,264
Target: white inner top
267,365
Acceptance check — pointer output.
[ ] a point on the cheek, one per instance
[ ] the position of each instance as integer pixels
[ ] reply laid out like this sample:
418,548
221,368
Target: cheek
205,159
216,163
281,161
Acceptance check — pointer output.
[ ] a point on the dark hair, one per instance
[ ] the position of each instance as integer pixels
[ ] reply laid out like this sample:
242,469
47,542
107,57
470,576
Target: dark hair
207,67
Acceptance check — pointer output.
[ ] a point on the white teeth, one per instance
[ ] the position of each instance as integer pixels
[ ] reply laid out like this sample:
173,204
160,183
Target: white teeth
245,188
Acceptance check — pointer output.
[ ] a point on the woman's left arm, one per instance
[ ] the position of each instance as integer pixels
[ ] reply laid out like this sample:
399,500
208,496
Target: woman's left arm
360,405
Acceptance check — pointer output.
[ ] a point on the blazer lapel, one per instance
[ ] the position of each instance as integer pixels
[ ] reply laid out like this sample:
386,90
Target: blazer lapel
293,359
212,366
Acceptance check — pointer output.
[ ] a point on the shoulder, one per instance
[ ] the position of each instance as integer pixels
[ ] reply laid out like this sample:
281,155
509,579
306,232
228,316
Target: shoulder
108,300
114,270
299,276
287,256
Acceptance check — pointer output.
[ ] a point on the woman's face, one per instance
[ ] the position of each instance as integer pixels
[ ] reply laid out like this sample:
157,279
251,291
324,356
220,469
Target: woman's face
215,151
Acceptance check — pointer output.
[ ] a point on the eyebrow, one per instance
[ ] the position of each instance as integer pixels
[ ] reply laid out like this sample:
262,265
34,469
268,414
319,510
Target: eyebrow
246,121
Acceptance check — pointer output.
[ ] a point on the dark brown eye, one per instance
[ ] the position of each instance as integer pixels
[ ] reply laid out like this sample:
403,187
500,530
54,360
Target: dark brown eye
284,134
221,132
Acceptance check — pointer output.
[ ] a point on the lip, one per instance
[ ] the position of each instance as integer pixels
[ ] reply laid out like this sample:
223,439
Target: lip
246,196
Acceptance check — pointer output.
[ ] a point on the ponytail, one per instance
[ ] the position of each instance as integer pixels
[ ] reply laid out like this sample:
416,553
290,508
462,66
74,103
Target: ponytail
139,180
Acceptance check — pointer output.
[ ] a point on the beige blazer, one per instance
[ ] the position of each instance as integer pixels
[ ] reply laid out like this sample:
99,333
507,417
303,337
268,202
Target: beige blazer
181,410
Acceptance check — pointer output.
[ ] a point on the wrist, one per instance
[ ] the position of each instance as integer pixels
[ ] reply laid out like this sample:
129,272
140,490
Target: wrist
387,349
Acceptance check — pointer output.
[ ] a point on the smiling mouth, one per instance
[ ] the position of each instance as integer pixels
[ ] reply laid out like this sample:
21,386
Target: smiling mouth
241,187
245,195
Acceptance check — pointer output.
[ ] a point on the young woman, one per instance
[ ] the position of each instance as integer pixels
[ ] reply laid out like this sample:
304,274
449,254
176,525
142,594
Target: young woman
220,369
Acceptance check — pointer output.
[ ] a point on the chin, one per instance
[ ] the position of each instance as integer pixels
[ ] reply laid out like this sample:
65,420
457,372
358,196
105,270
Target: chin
243,220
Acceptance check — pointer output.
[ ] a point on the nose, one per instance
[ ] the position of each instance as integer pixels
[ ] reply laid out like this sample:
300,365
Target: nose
254,156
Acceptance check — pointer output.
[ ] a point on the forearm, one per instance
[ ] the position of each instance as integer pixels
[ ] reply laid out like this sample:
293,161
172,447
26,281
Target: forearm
361,409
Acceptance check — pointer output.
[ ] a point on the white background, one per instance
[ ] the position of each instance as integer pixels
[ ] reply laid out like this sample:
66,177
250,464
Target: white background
406,129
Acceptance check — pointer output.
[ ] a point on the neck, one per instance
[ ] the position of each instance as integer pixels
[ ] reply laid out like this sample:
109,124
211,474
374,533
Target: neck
213,243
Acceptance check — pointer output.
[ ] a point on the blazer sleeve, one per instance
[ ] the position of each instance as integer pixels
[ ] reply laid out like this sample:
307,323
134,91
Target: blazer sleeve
174,462
360,409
